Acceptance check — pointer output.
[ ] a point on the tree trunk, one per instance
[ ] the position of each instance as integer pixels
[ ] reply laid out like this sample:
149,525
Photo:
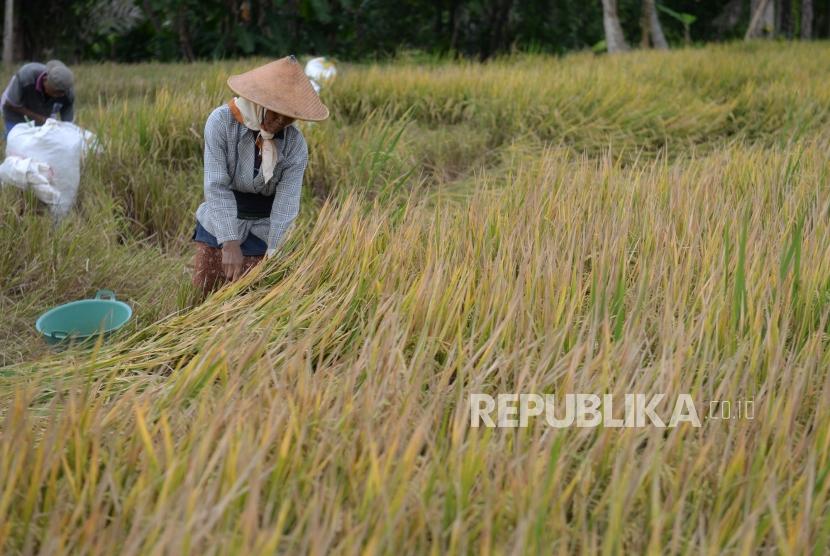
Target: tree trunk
614,38
762,20
261,19
454,25
494,38
784,19
151,15
658,39
645,23
806,19
439,15
8,34
184,35
730,16
502,27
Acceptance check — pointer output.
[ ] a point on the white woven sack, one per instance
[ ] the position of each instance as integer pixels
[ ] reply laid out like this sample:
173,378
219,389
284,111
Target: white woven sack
59,145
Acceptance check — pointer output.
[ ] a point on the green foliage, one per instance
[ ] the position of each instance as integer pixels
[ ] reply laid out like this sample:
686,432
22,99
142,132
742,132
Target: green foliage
134,30
684,18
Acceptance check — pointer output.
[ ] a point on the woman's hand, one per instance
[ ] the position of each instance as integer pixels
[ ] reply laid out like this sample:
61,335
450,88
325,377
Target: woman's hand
232,260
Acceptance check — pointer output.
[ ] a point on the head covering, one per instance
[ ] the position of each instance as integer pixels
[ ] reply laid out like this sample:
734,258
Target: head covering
60,77
250,114
283,87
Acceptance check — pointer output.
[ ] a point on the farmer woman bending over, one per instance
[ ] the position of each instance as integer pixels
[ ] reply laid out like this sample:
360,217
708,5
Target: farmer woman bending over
254,165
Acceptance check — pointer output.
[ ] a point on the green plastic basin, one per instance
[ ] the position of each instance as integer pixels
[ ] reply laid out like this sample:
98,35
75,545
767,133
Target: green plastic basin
84,320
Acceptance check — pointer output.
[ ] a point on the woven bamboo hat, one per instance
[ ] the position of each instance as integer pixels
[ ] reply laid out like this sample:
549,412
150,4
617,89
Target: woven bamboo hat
283,87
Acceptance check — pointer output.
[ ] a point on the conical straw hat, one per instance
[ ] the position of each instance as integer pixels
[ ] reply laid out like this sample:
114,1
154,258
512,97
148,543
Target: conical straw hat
283,87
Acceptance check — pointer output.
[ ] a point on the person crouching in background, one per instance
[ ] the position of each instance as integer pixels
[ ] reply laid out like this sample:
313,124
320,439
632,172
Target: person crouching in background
37,92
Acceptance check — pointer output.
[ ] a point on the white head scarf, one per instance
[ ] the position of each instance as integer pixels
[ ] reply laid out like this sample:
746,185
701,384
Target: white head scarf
252,115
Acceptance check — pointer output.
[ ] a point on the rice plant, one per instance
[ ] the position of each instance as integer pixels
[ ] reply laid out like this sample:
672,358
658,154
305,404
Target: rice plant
652,223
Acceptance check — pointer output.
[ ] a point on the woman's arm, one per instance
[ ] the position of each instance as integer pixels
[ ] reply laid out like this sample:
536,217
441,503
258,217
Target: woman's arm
221,204
286,205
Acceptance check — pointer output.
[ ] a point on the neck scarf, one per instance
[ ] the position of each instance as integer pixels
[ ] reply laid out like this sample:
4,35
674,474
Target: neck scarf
250,115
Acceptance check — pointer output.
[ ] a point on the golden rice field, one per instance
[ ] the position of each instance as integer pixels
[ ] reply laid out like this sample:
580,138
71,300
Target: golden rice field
648,223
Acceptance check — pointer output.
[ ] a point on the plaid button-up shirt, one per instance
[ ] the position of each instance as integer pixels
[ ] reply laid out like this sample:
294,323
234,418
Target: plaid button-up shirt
229,164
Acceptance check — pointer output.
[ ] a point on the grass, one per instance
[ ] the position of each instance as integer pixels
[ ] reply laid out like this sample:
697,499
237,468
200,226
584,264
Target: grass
650,223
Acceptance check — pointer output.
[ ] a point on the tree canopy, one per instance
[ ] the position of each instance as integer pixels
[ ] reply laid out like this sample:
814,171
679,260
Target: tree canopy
137,30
